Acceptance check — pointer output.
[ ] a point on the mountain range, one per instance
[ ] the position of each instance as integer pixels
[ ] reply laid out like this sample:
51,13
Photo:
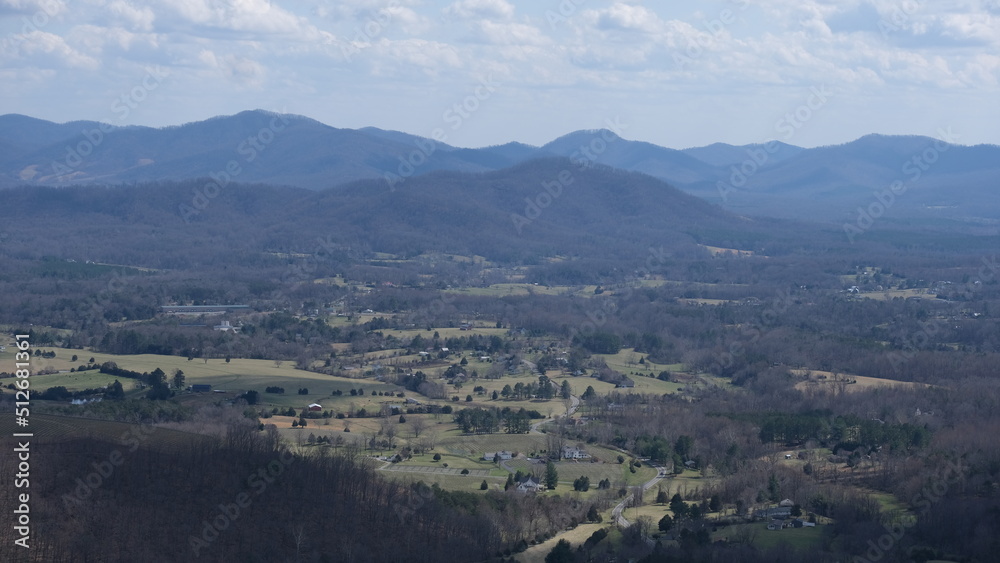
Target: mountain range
912,178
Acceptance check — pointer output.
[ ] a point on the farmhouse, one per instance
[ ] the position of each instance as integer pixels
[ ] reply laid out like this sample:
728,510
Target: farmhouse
504,455
226,326
571,452
529,485
626,383
315,407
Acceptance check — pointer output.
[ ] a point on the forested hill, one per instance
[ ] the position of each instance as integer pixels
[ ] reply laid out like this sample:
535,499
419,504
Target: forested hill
530,212
942,180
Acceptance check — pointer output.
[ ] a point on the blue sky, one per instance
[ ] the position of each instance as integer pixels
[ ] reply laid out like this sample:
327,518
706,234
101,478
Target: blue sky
678,74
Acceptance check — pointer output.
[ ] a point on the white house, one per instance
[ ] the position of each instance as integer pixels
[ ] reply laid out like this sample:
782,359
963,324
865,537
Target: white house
570,452
504,455
225,326
529,485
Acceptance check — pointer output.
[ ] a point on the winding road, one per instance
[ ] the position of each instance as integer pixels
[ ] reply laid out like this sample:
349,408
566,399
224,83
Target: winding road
575,404
617,513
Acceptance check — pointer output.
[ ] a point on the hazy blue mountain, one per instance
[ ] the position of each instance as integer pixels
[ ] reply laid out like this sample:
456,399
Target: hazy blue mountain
936,181
605,147
722,154
260,146
958,183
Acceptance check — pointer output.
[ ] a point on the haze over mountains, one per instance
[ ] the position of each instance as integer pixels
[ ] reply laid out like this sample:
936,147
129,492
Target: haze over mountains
943,182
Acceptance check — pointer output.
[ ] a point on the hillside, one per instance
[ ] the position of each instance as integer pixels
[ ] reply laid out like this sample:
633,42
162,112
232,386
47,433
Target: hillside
506,215
946,185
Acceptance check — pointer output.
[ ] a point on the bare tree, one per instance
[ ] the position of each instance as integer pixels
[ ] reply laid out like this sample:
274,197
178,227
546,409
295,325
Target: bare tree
417,425
744,534
299,538
644,525
388,427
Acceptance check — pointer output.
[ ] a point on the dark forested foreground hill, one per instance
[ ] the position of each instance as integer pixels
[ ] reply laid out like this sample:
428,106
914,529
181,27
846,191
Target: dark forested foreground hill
940,179
121,495
536,210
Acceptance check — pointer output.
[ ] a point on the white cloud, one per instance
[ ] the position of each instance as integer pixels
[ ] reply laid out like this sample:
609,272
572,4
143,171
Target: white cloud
472,9
96,39
625,17
252,16
48,50
41,8
140,18
507,33
604,56
235,69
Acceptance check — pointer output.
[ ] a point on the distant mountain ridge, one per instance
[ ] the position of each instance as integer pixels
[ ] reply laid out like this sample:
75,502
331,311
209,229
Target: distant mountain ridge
943,181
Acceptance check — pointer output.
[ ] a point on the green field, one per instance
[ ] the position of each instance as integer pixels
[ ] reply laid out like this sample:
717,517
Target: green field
571,470
795,538
236,376
91,379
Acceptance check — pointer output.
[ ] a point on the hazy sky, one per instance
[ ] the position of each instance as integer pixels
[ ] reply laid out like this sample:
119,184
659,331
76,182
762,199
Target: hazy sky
678,74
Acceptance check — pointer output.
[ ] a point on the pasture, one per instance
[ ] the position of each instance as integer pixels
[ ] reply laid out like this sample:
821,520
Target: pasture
831,382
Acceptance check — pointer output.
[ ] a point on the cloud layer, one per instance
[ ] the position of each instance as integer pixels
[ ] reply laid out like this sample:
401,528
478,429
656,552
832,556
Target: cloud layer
681,75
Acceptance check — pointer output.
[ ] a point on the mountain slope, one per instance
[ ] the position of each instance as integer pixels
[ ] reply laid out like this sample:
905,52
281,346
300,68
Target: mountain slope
262,147
957,183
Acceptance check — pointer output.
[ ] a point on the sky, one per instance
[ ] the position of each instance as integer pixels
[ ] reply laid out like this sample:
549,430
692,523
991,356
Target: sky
486,72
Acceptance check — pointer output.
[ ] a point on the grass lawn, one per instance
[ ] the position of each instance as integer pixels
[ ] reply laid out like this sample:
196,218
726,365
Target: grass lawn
475,446
449,482
576,537
859,382
683,484
91,379
797,538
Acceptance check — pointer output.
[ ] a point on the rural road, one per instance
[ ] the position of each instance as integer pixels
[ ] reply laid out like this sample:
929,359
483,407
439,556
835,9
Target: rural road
572,409
616,513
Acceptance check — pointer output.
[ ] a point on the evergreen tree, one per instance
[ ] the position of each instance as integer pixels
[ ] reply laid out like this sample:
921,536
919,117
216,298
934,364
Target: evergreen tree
561,553
551,475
